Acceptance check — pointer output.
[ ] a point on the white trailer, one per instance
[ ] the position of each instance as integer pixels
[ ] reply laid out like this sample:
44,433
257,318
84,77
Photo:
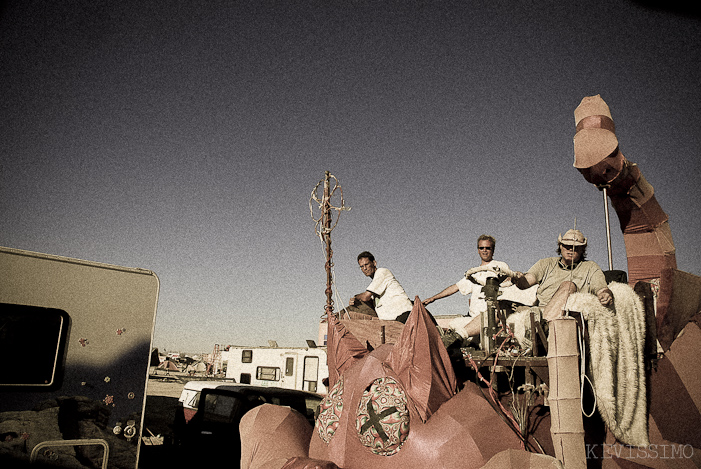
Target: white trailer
302,368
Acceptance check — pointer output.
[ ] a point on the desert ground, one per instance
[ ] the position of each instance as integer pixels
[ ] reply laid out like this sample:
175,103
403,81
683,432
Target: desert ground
162,395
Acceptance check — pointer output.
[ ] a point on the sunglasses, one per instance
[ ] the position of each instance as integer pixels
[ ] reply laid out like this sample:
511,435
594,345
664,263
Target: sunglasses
571,247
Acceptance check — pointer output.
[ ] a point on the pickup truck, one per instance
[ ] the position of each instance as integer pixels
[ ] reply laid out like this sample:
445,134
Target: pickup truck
212,434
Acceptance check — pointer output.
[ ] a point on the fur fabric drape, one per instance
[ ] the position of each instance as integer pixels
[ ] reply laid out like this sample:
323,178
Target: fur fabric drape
616,349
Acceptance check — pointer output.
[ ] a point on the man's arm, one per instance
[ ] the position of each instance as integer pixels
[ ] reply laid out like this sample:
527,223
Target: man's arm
523,281
365,297
446,292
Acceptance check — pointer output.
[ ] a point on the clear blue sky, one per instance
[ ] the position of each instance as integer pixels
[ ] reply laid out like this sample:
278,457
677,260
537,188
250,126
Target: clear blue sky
186,137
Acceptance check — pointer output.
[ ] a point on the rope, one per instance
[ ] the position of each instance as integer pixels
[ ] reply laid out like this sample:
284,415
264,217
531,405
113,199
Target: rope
492,394
583,372
517,418
333,277
323,202
497,405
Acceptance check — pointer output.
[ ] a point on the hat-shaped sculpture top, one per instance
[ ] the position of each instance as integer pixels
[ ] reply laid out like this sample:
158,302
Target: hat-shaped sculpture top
595,138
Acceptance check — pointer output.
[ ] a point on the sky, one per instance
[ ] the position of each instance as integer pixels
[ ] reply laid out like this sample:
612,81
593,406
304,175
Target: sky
187,137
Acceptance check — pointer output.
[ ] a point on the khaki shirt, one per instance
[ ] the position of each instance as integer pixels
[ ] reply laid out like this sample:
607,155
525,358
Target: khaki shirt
550,273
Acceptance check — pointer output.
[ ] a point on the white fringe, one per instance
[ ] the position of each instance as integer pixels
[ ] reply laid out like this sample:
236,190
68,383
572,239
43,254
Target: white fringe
616,346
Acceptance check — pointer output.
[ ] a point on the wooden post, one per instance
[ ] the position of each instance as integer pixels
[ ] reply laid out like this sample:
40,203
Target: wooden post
326,226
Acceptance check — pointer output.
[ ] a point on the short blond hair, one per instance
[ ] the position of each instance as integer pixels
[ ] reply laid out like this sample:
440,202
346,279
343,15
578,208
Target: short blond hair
485,237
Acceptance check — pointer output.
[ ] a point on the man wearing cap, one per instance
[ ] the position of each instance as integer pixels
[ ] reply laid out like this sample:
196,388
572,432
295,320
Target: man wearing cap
559,277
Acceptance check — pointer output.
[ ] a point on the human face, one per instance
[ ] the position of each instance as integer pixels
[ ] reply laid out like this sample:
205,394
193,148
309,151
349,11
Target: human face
367,267
486,250
571,254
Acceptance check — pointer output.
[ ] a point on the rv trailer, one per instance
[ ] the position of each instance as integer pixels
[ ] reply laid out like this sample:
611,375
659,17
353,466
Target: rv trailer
76,341
302,368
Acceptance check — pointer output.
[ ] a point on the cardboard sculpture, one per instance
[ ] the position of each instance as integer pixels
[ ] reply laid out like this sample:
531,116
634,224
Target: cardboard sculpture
395,406
674,296
646,232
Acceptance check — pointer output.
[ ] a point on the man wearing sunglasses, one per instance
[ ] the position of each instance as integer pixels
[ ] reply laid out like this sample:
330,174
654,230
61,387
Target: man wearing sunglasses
559,277
478,305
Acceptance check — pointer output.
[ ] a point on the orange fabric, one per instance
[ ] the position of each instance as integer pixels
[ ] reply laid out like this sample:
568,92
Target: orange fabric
308,463
679,300
271,434
523,460
459,430
463,432
342,349
429,378
672,407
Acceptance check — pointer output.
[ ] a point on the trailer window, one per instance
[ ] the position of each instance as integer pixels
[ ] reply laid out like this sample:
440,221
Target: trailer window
246,356
245,378
34,339
268,373
289,366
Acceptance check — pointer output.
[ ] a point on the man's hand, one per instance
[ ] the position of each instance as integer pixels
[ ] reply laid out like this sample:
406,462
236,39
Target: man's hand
523,281
366,297
605,297
428,301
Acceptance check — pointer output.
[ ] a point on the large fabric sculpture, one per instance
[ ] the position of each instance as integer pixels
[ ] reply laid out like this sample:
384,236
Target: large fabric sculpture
395,406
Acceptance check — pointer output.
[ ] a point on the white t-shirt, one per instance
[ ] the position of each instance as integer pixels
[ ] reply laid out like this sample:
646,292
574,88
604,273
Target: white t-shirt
477,302
393,300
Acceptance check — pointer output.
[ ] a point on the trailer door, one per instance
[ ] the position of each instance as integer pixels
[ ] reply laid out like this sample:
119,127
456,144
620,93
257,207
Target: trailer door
289,372
311,373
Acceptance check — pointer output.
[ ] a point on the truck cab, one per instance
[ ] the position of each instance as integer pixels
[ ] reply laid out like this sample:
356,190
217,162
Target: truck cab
212,434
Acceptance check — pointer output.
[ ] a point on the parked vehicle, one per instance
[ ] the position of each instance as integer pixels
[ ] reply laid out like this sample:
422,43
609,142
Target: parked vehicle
302,368
212,434
75,336
190,397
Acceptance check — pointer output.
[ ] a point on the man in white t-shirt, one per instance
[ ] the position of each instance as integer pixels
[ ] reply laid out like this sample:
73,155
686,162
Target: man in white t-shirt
391,301
478,305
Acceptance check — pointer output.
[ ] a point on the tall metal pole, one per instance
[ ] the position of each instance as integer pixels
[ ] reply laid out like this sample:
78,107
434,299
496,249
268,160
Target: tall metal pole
326,223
